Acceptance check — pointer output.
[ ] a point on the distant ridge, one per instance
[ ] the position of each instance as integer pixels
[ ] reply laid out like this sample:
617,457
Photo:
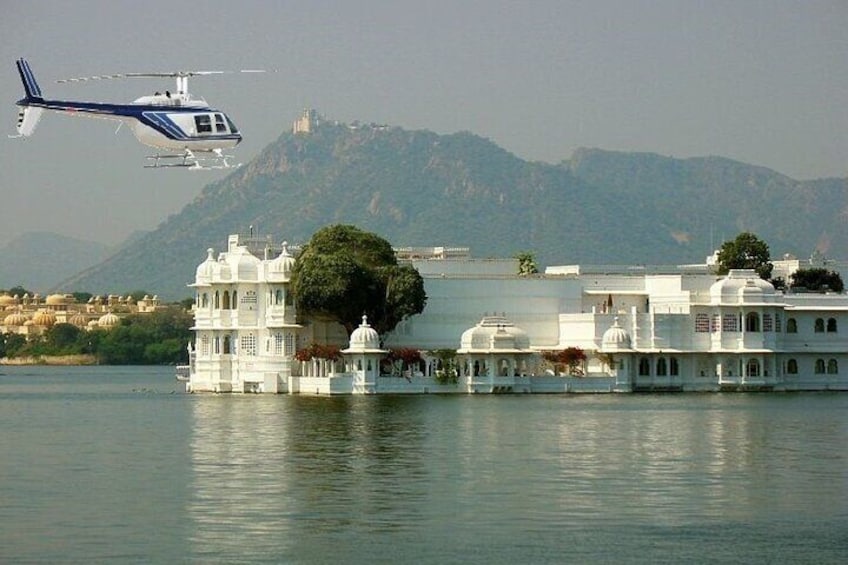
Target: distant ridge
36,260
420,188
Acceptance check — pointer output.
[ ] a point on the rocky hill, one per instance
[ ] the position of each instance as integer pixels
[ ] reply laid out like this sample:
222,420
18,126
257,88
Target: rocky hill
421,188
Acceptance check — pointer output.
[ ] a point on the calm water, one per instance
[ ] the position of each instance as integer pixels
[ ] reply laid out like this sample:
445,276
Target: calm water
113,464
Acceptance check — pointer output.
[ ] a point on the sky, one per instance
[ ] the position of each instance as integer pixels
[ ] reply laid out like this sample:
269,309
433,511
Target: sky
762,82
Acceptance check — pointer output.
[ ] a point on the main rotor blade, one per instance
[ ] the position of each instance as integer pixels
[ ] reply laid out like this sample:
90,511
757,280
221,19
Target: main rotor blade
172,74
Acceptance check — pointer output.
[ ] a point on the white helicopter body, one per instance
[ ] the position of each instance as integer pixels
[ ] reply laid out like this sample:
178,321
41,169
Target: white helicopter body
185,131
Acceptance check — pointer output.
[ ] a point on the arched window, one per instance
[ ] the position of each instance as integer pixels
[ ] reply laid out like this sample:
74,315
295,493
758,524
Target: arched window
791,326
235,300
226,300
819,366
278,296
217,304
792,367
819,326
204,300
831,325
644,367
753,368
662,367
832,367
752,322
226,345
673,367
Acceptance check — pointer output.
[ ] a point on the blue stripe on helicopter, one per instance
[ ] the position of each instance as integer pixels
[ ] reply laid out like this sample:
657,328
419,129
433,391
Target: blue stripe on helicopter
162,123
151,116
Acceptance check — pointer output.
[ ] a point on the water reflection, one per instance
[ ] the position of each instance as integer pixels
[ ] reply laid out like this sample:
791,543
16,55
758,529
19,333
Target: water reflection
270,472
540,479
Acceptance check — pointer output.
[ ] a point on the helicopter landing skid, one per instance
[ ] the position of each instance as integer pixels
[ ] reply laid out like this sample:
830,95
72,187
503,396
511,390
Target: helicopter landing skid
211,160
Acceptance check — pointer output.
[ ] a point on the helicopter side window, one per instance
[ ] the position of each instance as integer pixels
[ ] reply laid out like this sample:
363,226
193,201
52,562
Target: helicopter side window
220,126
203,122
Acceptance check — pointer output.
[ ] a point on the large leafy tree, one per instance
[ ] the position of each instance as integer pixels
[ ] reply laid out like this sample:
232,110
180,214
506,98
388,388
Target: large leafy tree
344,272
747,251
817,280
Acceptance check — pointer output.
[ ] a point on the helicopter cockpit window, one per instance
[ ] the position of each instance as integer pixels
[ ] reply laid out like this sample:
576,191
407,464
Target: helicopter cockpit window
233,128
203,122
220,126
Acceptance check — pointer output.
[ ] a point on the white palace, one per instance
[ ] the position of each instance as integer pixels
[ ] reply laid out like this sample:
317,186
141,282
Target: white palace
642,328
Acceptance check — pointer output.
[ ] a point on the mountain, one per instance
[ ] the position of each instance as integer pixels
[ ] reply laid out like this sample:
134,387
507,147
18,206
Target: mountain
418,188
37,260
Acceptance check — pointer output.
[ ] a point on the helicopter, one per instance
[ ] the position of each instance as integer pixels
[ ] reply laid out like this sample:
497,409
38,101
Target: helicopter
185,131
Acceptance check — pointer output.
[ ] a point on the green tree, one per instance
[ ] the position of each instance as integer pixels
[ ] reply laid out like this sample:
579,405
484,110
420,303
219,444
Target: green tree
138,294
817,280
527,263
11,344
63,339
19,291
747,251
344,272
82,297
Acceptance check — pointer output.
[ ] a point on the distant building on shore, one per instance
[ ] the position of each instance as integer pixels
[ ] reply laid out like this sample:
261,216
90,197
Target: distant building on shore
32,315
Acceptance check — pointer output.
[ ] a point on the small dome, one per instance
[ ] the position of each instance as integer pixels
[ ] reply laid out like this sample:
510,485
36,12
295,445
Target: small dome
44,318
364,337
7,300
615,338
58,299
206,269
240,265
741,285
108,320
494,333
78,320
16,319
281,267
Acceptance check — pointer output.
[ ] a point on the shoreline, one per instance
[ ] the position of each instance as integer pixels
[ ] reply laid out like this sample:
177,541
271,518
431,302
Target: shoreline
57,360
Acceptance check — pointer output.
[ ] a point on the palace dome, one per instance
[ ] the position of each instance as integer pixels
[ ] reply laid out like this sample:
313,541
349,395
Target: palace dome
741,285
282,266
78,320
108,320
494,333
240,265
615,338
7,300
206,269
364,337
44,318
16,319
59,299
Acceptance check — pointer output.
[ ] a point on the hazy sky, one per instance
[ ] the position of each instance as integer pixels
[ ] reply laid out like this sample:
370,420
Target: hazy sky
764,82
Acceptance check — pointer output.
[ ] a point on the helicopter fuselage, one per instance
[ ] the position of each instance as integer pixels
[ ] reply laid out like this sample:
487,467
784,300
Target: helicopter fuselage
185,131
171,123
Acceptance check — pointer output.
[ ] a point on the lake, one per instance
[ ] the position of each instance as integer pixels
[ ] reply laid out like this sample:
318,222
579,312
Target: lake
116,464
